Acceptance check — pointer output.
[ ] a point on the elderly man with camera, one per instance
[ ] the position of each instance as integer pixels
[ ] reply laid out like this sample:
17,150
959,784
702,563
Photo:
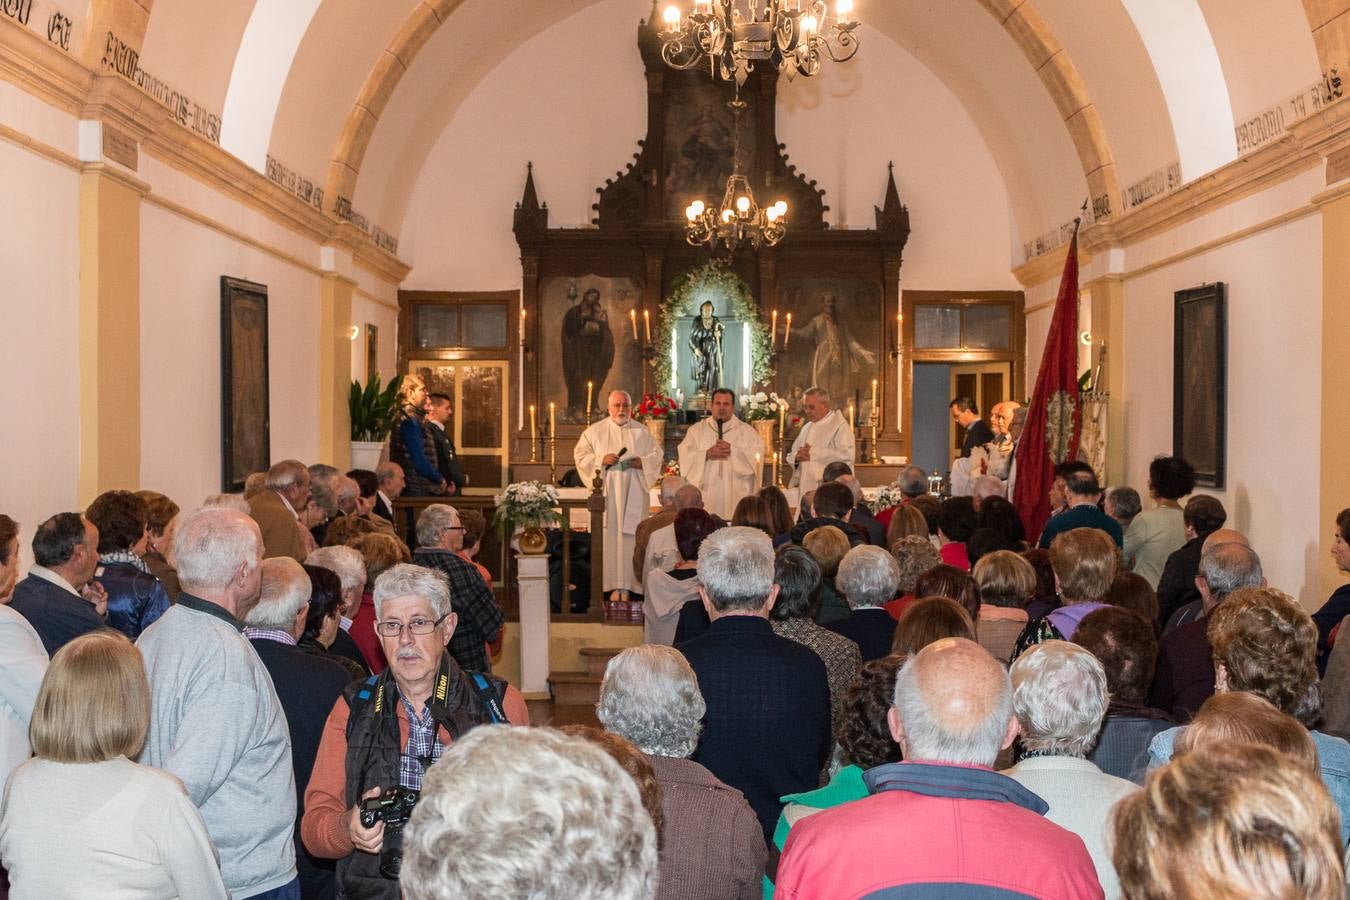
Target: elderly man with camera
385,732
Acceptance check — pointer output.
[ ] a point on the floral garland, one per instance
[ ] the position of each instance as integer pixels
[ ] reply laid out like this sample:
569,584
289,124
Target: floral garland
731,296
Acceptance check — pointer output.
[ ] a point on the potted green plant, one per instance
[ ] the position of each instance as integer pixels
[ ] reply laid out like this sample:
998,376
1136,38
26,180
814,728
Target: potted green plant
373,412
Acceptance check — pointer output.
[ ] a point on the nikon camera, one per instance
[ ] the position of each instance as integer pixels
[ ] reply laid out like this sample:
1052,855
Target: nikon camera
393,808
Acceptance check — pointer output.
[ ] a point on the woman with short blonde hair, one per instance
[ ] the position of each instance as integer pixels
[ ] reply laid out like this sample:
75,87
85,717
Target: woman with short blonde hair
828,546
1238,717
1085,561
1229,821
81,819
906,521
1007,583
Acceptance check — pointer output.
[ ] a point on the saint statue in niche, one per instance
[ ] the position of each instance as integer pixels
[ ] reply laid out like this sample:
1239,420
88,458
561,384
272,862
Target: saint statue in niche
839,360
587,348
705,339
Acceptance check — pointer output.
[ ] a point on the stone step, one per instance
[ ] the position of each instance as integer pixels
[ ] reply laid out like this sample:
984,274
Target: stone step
570,688
597,658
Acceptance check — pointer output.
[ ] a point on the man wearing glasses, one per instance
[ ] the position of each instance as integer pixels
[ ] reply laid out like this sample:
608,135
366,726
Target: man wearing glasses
440,537
387,731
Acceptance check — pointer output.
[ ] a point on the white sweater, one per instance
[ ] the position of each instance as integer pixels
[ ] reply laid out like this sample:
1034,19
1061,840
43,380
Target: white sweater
106,829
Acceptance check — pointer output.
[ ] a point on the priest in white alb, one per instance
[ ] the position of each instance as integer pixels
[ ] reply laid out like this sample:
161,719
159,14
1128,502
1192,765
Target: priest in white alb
722,456
628,461
825,438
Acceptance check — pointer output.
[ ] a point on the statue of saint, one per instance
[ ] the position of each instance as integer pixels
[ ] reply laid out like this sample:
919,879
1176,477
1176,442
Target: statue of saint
587,349
705,339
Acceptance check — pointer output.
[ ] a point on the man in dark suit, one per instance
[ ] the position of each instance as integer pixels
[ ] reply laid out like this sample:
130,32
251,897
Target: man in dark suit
438,415
306,685
1202,516
391,481
862,518
868,578
767,729
966,414
59,598
1185,675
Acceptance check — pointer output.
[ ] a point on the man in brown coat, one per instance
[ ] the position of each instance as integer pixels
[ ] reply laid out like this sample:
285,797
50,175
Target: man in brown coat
277,510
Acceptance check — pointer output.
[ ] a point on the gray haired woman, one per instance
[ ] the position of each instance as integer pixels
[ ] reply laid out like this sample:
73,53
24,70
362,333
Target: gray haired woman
1059,696
712,845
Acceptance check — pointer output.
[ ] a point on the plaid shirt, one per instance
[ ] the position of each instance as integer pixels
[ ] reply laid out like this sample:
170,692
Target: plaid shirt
269,634
480,618
422,745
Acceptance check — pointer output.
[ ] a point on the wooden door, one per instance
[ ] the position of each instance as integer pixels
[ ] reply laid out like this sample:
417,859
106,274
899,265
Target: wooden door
986,384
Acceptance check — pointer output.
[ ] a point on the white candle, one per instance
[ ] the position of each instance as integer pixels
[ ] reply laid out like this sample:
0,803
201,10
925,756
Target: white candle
787,331
647,324
590,387
552,420
533,429
874,398
632,317
773,331
850,414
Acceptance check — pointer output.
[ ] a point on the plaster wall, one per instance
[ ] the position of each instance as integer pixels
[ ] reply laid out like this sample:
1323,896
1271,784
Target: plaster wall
39,338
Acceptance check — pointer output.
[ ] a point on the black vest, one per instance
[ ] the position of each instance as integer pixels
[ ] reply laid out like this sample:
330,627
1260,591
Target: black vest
417,484
374,748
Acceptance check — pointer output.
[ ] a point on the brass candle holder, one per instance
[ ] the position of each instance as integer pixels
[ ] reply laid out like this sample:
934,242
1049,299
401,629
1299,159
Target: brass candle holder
874,458
552,458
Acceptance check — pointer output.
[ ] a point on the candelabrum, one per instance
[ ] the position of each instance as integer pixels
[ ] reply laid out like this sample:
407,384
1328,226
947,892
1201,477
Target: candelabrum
876,421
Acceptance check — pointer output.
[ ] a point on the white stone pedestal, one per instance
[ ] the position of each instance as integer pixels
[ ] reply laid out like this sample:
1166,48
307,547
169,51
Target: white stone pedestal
532,575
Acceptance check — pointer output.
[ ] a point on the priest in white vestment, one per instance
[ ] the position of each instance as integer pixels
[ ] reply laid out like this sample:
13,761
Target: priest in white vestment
629,461
722,456
825,438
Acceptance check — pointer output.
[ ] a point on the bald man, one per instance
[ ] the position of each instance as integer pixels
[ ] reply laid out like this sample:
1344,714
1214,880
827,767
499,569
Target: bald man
962,825
627,460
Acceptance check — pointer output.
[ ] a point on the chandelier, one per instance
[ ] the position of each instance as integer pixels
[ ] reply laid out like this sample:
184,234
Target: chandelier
730,36
739,218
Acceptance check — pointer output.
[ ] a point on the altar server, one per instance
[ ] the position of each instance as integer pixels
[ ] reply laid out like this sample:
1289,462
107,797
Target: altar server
722,456
825,438
628,461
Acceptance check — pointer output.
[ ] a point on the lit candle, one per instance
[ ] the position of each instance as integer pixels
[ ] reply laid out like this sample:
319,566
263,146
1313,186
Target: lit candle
522,326
590,387
787,331
552,420
632,317
534,431
773,331
850,414
782,418
672,17
874,397
899,330
647,324
775,467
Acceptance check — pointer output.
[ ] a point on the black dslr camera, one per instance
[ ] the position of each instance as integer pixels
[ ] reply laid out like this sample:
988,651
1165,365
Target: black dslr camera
393,807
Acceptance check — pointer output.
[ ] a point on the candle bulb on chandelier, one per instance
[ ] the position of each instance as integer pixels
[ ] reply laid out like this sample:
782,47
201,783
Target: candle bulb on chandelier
843,10
672,17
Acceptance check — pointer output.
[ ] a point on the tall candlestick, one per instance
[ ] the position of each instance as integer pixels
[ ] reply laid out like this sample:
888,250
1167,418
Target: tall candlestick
647,324
534,434
773,331
874,396
552,420
632,317
590,387
787,331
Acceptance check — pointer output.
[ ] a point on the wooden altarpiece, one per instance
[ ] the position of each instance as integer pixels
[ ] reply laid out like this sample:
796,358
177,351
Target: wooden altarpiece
637,249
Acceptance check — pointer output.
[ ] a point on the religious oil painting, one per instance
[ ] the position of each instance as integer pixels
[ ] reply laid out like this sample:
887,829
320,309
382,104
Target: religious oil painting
1199,386
834,342
588,339
700,140
244,421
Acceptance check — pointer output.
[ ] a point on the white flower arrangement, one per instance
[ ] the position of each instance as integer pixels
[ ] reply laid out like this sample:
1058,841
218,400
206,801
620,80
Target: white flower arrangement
762,406
887,497
526,504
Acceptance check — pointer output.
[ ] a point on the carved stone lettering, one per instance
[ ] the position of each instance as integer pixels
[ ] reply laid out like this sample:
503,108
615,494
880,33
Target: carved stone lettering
18,10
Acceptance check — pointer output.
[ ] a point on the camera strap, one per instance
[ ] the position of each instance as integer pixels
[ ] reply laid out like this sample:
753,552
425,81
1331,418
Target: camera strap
483,688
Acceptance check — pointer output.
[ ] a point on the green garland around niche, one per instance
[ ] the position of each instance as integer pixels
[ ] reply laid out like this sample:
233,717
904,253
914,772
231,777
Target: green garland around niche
732,300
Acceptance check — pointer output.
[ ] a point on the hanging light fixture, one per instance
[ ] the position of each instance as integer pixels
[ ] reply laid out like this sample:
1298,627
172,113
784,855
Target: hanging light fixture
739,218
730,36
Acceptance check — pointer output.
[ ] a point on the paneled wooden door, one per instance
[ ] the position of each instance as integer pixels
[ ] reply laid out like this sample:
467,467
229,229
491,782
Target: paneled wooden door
986,384
479,393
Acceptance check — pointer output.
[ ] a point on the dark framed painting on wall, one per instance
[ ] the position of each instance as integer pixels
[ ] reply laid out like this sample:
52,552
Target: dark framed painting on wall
1200,380
245,445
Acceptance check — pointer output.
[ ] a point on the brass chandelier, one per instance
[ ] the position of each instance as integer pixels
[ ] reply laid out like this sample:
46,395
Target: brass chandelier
739,218
730,36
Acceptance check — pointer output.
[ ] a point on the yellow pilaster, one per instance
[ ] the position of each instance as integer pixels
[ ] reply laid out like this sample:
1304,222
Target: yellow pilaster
110,330
1335,474
1107,298
335,370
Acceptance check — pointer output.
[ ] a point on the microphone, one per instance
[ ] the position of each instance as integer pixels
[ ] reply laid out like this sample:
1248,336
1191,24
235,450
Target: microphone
719,429
622,451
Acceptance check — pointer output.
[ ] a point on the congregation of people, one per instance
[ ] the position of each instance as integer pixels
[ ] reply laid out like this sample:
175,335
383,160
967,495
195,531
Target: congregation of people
272,695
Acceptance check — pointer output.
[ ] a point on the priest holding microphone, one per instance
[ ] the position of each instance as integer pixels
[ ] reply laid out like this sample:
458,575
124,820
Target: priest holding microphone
627,460
722,456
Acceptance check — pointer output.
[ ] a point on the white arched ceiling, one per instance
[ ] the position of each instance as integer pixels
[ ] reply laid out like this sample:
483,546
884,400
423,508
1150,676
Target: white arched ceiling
1187,66
192,45
1266,50
344,42
259,74
1119,76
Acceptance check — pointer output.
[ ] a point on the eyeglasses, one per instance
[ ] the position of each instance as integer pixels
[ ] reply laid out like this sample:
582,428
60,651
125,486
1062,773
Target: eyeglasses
416,626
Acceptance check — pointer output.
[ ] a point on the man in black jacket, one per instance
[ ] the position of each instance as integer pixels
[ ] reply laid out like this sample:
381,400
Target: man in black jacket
59,598
767,729
967,415
306,685
831,505
438,416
